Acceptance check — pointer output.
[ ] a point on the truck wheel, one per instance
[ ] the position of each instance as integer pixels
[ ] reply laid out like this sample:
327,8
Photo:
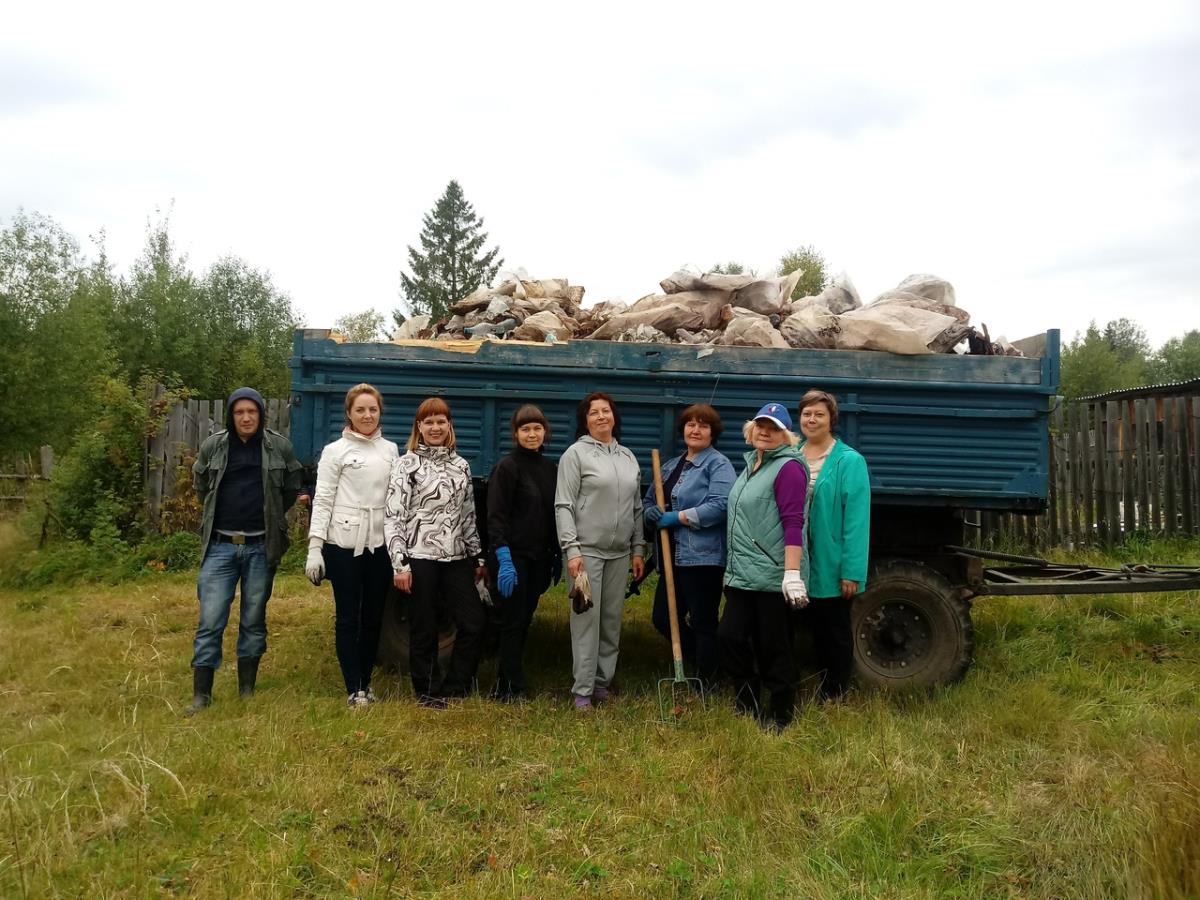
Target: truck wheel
393,635
911,630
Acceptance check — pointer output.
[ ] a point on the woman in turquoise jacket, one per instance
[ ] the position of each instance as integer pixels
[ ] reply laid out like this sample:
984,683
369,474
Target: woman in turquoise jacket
837,536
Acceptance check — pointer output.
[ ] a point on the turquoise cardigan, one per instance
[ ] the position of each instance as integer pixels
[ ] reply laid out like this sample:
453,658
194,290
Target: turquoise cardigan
837,532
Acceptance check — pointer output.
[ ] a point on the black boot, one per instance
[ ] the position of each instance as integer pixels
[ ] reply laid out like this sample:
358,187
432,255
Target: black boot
202,682
247,674
783,705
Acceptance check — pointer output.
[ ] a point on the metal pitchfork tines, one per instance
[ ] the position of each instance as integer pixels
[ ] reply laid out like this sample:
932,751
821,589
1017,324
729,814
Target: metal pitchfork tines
678,694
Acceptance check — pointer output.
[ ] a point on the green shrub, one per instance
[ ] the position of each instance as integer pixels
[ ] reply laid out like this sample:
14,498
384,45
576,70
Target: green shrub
175,552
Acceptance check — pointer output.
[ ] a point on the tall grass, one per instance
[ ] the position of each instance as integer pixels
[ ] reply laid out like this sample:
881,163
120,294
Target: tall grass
1064,765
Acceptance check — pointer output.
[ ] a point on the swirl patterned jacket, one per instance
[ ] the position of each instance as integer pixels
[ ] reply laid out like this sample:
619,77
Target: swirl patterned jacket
430,508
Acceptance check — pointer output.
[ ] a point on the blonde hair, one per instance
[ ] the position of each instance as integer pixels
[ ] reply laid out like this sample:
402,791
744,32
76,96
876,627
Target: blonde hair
432,406
748,430
364,388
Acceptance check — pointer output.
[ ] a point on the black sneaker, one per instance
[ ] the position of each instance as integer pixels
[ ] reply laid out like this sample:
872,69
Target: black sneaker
431,702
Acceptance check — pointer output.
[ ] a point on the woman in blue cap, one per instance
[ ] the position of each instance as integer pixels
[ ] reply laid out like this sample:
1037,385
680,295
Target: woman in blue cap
765,535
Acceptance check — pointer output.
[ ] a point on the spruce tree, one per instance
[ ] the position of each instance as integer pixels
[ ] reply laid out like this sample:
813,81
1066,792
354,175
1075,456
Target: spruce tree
450,263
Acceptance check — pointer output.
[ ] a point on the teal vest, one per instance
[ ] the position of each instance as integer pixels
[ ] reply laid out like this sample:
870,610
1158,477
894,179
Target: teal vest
754,531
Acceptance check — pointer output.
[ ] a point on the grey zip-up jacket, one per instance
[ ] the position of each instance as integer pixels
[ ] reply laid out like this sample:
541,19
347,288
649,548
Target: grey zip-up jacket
598,501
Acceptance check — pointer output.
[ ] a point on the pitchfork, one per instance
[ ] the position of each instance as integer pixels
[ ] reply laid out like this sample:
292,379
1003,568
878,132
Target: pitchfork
674,694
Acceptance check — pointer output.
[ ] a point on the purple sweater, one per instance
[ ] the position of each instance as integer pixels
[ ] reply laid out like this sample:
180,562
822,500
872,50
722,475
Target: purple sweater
791,490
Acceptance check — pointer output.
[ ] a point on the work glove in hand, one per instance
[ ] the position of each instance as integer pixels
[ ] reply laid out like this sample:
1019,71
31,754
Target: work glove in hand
485,596
506,574
794,590
669,520
314,566
652,514
581,593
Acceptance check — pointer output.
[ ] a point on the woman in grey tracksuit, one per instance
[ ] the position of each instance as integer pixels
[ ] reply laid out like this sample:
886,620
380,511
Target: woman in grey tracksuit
598,513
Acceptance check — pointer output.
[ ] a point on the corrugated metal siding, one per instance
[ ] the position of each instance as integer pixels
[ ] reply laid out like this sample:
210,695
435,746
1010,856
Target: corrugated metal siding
969,431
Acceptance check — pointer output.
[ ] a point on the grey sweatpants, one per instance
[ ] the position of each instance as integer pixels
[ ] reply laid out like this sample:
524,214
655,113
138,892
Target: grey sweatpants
596,634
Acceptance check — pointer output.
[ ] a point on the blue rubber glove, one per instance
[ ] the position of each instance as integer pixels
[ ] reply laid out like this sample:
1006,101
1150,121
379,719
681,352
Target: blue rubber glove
506,577
652,514
669,520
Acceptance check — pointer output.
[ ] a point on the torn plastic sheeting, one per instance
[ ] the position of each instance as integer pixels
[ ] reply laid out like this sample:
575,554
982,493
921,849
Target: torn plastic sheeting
412,328
753,331
892,328
767,296
540,324
811,326
668,313
928,286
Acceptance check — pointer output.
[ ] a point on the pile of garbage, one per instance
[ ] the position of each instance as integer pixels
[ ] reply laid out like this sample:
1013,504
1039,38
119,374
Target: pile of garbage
918,316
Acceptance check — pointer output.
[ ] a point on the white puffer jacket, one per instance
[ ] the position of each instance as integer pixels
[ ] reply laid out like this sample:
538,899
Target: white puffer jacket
352,483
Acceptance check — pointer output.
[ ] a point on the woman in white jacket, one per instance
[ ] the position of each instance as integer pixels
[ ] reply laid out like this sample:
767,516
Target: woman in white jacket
433,541
346,539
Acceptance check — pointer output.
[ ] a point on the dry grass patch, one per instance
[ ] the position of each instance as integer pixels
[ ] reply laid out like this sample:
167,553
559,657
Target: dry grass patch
1063,766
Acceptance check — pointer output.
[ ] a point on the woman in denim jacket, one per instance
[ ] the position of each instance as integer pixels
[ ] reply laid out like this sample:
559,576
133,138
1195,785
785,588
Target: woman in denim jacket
696,487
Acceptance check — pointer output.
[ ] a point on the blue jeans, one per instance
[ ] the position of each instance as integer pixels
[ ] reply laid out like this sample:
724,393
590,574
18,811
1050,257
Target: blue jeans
224,566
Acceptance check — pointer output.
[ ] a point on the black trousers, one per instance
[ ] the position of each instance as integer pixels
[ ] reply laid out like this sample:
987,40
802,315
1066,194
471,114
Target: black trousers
360,585
448,586
828,620
756,650
698,603
516,615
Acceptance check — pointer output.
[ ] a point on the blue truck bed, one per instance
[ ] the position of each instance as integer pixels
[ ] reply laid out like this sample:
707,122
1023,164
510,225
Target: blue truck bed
937,431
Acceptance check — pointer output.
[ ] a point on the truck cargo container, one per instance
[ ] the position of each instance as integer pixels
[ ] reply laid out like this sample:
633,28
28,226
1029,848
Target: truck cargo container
943,434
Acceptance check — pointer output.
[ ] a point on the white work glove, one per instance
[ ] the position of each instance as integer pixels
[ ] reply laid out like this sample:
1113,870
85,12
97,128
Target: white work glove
314,566
794,590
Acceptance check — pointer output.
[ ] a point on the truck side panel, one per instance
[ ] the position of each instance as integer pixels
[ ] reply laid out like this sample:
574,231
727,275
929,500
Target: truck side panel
938,430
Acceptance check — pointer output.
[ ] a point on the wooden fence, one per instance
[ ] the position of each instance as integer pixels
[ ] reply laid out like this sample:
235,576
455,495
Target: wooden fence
1117,467
18,471
186,426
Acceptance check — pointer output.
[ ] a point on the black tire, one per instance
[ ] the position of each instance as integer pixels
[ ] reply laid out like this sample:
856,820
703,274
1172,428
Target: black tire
393,636
911,629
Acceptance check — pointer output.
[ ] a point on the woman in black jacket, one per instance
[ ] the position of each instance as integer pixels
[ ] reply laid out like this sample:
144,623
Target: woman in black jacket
523,540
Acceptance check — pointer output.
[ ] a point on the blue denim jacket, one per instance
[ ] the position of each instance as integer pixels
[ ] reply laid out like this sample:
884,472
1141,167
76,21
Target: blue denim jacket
700,494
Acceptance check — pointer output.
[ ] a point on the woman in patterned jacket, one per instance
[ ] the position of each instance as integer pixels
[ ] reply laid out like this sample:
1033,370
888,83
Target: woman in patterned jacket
433,542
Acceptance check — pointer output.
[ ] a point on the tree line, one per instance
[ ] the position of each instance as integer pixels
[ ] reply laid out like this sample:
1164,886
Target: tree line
1119,355
75,329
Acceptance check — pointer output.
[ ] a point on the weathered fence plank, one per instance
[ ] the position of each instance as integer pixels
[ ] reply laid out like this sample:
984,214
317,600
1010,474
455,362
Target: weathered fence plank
1087,479
1128,468
1155,468
1112,467
1186,486
1142,451
1195,432
1075,483
1170,454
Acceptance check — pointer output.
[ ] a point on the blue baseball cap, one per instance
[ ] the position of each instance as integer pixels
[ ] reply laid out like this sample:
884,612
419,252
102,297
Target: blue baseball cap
777,413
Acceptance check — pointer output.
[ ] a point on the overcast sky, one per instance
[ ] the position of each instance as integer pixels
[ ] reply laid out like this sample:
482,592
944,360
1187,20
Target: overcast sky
1043,157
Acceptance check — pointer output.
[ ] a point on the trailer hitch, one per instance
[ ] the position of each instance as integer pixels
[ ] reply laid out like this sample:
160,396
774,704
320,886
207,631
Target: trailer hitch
1031,576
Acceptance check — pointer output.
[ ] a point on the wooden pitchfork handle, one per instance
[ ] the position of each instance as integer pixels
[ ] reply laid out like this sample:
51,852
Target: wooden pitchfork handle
668,568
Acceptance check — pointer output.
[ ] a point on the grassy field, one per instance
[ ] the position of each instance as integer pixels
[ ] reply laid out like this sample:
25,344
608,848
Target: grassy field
1066,764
